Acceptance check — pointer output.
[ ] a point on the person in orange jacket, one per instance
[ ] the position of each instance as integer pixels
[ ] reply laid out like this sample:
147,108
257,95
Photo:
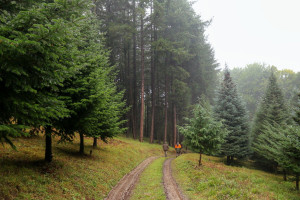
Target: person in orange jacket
178,149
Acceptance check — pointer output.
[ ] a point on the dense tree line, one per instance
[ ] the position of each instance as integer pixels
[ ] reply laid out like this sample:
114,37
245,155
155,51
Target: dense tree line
73,66
165,62
55,73
252,82
273,139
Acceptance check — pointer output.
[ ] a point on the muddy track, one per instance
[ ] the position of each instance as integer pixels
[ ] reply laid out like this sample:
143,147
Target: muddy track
171,188
123,189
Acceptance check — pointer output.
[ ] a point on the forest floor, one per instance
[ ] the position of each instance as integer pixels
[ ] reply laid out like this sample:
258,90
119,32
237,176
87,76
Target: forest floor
24,175
143,172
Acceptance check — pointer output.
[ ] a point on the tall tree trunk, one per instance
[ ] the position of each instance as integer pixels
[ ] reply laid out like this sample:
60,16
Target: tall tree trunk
228,160
142,80
200,159
284,175
48,150
297,182
153,100
134,107
130,116
95,142
81,150
166,107
174,124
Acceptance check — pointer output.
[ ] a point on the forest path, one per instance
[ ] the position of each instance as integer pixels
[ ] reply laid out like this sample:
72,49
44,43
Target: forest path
123,189
171,188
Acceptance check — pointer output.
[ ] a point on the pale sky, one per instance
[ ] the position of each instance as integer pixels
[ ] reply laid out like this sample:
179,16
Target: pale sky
247,31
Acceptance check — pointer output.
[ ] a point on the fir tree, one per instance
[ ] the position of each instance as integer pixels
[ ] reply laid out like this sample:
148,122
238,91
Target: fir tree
37,55
203,133
91,95
272,112
272,108
230,110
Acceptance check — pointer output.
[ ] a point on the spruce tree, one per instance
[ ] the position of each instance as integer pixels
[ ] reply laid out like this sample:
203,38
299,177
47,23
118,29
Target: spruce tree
37,55
203,133
272,111
230,110
91,95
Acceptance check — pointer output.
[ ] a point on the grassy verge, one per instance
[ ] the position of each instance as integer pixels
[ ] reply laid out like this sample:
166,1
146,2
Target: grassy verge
24,175
150,185
215,180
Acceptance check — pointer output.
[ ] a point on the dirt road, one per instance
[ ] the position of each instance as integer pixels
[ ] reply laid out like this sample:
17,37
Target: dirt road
171,189
123,189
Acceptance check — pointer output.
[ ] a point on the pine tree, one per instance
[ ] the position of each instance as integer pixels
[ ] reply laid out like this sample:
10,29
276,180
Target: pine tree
203,133
230,110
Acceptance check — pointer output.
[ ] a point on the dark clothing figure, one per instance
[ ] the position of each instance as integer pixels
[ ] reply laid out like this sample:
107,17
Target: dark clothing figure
165,148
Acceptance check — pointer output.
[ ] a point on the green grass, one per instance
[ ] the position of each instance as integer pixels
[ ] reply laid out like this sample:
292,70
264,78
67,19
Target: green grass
24,175
150,185
215,180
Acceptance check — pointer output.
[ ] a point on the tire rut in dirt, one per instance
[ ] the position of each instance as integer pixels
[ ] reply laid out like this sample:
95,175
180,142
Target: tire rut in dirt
123,189
171,188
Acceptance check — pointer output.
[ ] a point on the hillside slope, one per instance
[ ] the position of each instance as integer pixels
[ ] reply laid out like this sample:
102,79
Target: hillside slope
24,175
215,180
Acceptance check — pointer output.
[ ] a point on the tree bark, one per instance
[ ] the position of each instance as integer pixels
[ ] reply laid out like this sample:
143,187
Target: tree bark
284,175
200,160
297,182
81,150
175,124
166,108
95,142
142,80
153,100
134,107
228,160
48,150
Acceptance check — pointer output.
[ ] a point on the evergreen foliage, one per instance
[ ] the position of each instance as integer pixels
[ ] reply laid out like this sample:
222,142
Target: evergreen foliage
202,132
280,144
230,110
55,73
272,109
95,105
37,52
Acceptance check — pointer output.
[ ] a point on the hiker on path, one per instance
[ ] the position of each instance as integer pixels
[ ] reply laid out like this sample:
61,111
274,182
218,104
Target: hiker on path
178,149
165,148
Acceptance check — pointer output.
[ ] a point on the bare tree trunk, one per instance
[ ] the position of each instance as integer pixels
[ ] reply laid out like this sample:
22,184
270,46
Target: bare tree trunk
152,83
81,149
297,182
48,150
142,80
95,142
284,175
175,124
200,159
134,109
166,107
228,160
